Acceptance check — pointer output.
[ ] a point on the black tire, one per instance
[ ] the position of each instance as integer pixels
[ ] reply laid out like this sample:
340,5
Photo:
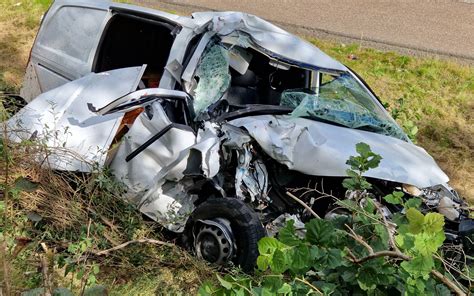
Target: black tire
244,222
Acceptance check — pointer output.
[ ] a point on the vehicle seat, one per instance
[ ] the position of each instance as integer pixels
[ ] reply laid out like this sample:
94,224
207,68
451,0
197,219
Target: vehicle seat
243,89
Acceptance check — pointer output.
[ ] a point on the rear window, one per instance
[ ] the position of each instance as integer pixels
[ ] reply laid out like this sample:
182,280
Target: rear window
72,31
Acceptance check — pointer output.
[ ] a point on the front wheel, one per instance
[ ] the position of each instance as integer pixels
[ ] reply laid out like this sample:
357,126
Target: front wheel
224,230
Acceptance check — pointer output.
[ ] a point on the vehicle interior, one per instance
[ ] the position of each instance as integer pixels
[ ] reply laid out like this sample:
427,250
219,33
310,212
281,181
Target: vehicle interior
130,40
264,81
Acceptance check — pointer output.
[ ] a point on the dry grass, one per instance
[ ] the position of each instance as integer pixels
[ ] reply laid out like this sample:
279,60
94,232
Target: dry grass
19,22
64,209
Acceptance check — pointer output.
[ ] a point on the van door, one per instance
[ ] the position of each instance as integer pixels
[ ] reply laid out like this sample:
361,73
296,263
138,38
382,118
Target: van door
65,46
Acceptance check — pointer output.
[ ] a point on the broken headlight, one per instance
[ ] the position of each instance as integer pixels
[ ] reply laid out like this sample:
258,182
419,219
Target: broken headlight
441,197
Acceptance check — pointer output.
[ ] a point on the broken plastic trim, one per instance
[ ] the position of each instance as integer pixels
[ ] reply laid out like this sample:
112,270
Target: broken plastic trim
156,138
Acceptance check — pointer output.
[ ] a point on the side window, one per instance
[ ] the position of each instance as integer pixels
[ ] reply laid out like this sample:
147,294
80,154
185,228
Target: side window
73,31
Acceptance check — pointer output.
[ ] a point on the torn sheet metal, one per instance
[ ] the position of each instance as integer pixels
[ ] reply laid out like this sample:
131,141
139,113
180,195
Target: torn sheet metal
251,177
156,178
169,203
138,99
321,149
61,120
274,40
139,174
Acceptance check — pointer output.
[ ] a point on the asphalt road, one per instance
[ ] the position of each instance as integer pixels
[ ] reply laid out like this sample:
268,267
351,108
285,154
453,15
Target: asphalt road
440,27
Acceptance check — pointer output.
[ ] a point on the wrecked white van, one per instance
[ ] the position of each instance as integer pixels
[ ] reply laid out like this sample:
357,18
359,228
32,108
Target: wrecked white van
210,120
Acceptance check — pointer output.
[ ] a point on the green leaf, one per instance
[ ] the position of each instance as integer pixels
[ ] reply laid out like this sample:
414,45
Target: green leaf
316,253
382,233
272,284
91,280
64,292
319,232
69,268
374,162
442,290
278,262
95,269
287,234
224,283
434,222
415,219
364,184
405,241
80,274
263,262
206,289
349,184
427,244
367,278
419,266
24,184
363,149
352,174
298,258
268,245
348,275
284,289
332,258
370,206
414,202
394,198
32,216
325,287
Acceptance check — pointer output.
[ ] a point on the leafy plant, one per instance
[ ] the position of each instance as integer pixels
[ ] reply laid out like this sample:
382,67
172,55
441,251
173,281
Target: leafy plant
360,253
360,164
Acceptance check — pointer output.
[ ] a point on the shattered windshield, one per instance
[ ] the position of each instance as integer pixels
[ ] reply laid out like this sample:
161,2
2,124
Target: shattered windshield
341,100
245,78
213,75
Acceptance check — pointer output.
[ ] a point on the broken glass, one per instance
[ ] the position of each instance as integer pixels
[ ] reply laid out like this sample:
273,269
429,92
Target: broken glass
343,102
213,77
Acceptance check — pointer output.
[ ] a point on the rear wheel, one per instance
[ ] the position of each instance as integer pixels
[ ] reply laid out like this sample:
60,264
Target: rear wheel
224,230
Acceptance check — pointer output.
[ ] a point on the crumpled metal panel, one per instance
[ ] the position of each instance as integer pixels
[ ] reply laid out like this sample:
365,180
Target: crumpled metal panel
140,173
61,120
156,178
169,203
269,37
321,149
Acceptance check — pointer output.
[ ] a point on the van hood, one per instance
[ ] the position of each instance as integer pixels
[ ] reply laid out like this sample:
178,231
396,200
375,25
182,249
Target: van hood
321,149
